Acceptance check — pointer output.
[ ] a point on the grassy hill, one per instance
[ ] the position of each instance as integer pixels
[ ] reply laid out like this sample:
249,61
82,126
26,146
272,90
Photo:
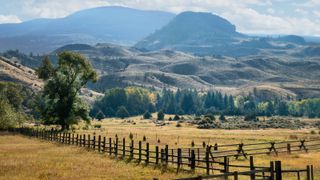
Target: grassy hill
280,75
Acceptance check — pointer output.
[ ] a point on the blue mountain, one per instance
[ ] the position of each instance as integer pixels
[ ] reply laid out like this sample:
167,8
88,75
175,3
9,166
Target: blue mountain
111,24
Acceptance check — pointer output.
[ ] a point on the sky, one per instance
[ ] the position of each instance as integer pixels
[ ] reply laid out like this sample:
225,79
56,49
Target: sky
301,17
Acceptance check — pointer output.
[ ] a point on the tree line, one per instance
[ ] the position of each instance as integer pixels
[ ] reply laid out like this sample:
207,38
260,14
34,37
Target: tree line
125,102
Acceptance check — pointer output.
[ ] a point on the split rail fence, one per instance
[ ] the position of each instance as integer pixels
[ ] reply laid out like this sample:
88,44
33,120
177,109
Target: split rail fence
211,159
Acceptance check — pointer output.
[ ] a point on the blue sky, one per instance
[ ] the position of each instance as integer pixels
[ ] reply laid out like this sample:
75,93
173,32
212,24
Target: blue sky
250,16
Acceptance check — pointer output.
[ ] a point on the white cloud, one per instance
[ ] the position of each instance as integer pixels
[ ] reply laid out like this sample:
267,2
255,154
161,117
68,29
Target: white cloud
250,16
58,8
9,19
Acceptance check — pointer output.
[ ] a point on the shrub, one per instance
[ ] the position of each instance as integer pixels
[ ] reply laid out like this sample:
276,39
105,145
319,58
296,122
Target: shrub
250,117
313,132
192,143
97,126
131,136
160,115
147,115
9,117
170,119
178,125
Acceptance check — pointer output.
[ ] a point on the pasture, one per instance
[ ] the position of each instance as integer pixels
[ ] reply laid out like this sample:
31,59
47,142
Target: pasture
56,161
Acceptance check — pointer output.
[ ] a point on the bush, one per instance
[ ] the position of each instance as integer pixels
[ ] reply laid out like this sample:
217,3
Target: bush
313,132
170,119
178,125
122,112
9,117
147,115
250,117
131,136
97,126
160,115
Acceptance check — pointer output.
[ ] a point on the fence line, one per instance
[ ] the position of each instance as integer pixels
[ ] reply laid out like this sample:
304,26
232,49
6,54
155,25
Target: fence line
191,159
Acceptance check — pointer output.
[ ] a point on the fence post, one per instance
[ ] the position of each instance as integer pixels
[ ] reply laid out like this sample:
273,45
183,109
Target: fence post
80,140
84,140
132,149
99,143
167,154
308,173
157,155
207,162
110,146
69,138
123,148
77,139
89,139
147,153
116,147
94,143
312,176
278,170
172,155
72,138
104,144
271,170
289,148
235,174
139,151
179,159
215,147
193,160
252,174
162,155
225,164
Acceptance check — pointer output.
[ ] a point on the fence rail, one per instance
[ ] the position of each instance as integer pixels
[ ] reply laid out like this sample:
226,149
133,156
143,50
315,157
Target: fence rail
210,159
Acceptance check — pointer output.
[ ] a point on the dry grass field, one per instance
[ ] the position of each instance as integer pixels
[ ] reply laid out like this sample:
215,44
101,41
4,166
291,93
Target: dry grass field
23,158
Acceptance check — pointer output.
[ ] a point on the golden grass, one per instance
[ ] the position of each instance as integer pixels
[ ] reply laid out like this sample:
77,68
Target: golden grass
183,136
52,161
24,158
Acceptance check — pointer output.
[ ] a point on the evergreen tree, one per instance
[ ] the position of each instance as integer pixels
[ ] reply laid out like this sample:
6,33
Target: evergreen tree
160,115
147,115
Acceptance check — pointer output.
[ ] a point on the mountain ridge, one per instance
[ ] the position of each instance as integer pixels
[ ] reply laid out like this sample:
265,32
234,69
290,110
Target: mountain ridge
114,24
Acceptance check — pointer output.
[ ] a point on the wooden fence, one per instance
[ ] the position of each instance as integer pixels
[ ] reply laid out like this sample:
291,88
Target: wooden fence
210,160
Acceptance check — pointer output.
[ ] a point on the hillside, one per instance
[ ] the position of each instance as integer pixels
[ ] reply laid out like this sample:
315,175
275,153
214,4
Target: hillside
104,24
280,75
14,72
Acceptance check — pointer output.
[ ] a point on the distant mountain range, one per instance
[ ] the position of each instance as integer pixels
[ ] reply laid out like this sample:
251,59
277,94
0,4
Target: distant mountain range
192,32
159,49
105,24
207,34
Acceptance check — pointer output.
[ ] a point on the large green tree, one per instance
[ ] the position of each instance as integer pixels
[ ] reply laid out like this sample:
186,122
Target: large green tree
62,86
